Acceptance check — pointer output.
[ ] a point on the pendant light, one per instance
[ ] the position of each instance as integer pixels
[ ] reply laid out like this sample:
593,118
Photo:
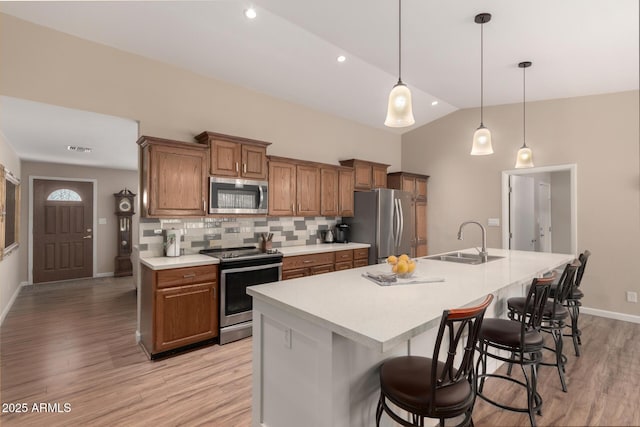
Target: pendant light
399,110
482,136
524,158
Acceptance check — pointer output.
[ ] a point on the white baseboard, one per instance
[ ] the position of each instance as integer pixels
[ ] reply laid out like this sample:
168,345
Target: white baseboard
108,274
11,301
138,337
610,314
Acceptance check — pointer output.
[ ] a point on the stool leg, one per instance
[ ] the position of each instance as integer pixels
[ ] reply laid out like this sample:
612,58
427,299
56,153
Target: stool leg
531,393
379,410
556,332
574,312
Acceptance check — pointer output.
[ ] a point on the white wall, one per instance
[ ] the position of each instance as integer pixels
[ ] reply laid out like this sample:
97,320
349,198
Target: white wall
599,133
9,278
560,212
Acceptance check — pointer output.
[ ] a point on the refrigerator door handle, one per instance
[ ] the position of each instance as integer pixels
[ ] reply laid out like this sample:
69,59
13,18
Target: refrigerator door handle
396,241
401,216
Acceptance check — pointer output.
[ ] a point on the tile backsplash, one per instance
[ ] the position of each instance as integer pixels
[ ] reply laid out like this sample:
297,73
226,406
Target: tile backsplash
204,233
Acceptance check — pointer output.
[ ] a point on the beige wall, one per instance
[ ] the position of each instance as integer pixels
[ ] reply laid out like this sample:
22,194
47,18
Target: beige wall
108,181
48,66
9,277
560,211
598,133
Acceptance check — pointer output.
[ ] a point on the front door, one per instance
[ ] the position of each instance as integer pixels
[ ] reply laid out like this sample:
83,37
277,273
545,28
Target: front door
62,230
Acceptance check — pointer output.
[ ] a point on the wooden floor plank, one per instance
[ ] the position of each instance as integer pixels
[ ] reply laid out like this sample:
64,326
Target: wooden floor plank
74,343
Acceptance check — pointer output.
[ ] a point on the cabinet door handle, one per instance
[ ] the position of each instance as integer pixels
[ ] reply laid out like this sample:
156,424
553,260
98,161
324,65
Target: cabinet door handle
237,167
244,168
190,275
204,205
307,261
293,208
299,208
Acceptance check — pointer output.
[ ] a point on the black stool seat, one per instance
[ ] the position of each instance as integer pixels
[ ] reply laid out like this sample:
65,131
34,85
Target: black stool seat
403,380
575,293
507,333
442,386
517,304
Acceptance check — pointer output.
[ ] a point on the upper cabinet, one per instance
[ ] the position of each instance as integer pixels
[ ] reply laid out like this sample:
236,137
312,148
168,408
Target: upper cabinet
294,187
232,156
336,191
417,186
367,175
173,178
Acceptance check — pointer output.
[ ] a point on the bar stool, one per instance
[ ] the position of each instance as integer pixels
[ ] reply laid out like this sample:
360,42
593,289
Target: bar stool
553,317
523,341
573,302
428,387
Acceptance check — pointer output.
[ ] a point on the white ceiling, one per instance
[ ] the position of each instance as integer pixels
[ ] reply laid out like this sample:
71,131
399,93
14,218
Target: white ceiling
578,47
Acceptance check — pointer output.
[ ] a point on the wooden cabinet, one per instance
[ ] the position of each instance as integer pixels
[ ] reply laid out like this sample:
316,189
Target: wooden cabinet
367,175
308,190
346,205
307,265
236,157
416,185
294,267
294,188
336,191
173,178
360,257
179,307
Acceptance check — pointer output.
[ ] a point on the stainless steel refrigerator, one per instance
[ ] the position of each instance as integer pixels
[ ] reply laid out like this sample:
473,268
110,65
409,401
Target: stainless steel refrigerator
384,219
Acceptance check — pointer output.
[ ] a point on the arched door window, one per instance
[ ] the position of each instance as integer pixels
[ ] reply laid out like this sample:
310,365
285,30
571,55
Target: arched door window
64,195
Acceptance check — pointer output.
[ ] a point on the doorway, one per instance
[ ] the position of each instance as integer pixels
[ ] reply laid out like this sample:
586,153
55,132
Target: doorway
62,228
542,214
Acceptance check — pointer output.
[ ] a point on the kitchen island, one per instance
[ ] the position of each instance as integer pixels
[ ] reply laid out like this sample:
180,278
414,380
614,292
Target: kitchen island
318,341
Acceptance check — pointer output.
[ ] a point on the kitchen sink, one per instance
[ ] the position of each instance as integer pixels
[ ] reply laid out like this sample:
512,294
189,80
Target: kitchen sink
463,258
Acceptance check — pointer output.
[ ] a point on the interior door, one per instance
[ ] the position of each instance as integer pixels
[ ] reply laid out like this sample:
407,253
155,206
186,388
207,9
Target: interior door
62,230
544,217
522,226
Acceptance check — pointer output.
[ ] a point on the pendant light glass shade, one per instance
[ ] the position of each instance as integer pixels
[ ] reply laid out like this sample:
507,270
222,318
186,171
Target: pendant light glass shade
399,109
482,136
524,158
481,142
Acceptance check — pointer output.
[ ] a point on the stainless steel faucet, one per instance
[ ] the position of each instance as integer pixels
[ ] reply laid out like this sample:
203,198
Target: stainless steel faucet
483,252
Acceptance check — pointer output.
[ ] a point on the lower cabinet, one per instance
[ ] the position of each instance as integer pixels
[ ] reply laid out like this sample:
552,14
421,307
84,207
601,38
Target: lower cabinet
294,267
179,307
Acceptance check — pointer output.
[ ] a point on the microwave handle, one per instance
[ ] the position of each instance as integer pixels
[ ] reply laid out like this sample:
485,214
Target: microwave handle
261,196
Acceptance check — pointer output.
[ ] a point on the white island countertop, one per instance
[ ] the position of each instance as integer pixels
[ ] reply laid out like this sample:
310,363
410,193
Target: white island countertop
322,247
381,317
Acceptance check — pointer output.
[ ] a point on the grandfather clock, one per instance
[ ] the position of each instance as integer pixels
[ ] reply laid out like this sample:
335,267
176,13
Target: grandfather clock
124,212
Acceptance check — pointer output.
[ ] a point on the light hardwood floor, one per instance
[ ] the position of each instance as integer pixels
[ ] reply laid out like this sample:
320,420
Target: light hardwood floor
74,343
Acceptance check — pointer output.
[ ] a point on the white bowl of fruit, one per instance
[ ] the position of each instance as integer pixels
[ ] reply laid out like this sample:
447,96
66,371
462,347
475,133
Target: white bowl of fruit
402,265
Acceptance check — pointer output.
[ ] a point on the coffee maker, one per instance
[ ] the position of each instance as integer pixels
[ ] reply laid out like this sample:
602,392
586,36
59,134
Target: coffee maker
342,233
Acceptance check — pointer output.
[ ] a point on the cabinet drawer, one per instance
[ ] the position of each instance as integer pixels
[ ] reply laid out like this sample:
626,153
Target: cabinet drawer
294,274
345,265
186,276
362,253
344,256
360,263
321,269
302,261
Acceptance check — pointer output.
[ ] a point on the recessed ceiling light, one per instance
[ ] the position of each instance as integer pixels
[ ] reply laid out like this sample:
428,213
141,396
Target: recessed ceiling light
434,103
79,149
342,58
250,13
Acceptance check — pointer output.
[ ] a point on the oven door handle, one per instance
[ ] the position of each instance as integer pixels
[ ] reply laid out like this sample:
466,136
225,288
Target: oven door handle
252,268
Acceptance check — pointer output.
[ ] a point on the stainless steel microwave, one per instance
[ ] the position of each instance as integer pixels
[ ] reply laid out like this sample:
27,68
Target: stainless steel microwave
237,196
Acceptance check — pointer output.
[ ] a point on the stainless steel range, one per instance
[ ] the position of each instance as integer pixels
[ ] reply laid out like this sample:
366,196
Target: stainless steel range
239,268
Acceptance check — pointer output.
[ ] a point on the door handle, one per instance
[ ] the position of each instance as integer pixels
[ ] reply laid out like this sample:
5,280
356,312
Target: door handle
237,167
244,168
87,237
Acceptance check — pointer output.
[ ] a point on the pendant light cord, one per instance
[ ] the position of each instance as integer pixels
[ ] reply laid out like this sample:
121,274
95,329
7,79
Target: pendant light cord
399,41
524,108
481,74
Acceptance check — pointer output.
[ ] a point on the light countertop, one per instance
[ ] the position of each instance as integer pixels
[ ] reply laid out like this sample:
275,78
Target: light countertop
381,317
323,247
163,263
